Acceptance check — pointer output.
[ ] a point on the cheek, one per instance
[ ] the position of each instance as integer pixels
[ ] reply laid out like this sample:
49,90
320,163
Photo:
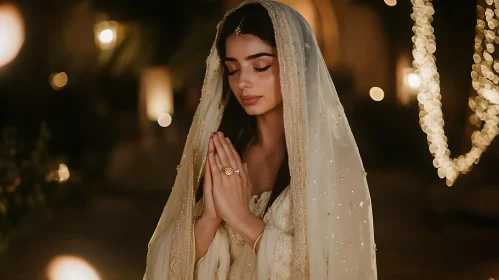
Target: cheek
272,90
273,86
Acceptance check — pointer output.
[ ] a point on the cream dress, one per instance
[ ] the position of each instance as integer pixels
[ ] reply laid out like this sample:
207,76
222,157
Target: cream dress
230,257
321,226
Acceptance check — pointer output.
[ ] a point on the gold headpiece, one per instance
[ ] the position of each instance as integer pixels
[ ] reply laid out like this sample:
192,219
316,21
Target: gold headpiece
238,28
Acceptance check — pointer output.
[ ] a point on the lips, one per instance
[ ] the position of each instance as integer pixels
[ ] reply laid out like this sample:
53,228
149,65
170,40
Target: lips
250,100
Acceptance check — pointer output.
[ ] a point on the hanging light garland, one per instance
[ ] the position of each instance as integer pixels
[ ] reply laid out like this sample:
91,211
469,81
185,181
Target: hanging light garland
485,105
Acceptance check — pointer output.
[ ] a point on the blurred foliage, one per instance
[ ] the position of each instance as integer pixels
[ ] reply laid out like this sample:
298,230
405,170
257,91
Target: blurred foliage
26,178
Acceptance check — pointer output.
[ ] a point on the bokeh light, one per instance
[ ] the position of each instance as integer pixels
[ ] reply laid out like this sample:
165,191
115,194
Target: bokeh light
63,172
11,33
491,95
391,3
414,80
58,80
377,94
106,36
157,91
60,175
71,268
165,120
484,81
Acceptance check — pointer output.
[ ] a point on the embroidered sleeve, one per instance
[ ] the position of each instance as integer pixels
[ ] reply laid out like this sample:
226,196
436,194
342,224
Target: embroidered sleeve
274,253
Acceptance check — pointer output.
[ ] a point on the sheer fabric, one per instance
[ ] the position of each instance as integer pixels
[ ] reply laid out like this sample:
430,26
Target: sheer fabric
324,229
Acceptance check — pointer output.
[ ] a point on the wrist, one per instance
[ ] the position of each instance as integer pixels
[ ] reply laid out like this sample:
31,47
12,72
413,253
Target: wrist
209,221
244,222
249,228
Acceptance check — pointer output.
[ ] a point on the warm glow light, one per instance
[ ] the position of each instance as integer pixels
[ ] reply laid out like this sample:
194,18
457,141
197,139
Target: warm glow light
60,175
491,95
63,172
484,81
413,80
377,94
106,36
391,2
71,268
406,94
59,80
164,120
157,92
307,9
11,33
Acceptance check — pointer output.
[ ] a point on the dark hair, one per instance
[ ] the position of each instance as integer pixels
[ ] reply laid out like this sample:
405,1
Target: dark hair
236,124
251,19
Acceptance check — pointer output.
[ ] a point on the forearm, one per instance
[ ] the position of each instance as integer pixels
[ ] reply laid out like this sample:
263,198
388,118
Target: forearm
204,232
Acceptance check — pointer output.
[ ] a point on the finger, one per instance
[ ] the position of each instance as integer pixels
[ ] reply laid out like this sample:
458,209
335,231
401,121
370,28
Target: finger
207,184
207,173
218,162
228,151
235,179
237,158
224,159
216,177
239,165
225,178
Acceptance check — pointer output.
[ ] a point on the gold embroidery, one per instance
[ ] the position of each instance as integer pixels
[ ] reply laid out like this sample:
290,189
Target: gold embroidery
295,135
341,172
352,206
295,139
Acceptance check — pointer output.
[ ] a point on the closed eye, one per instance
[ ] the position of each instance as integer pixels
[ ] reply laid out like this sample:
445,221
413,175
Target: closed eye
262,69
256,70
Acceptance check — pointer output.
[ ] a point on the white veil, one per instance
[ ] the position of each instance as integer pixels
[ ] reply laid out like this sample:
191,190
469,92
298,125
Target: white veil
331,205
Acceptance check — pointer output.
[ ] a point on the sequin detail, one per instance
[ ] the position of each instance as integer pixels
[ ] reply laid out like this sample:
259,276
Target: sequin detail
294,132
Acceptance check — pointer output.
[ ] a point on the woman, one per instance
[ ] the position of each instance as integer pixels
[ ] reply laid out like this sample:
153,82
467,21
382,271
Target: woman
284,194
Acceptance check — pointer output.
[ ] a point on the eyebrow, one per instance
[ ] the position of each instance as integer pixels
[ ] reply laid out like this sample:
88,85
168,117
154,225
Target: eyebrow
251,57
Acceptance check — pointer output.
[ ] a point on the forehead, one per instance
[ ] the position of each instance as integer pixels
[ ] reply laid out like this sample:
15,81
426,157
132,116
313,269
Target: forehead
245,45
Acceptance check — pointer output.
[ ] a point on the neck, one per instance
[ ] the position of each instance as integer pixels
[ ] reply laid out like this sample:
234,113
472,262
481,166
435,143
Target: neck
270,127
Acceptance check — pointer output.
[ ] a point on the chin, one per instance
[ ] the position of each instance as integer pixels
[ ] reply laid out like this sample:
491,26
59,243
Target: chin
259,109
254,110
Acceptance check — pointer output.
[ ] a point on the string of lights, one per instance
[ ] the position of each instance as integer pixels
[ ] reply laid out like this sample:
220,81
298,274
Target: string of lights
484,78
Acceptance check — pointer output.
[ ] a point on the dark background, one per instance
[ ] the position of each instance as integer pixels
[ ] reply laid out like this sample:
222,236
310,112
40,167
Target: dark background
122,167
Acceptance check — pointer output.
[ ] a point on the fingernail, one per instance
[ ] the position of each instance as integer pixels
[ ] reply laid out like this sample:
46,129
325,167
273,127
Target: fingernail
227,138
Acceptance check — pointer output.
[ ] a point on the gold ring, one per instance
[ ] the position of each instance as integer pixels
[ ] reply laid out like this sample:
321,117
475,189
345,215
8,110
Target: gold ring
227,170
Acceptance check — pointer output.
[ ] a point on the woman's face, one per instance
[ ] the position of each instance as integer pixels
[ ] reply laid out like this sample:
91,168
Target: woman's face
253,72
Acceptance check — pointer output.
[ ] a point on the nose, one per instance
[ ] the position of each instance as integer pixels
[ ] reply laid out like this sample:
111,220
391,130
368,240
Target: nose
243,82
